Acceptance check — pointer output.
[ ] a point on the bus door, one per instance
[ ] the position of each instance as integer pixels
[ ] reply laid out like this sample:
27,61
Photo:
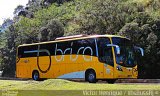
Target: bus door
108,62
106,57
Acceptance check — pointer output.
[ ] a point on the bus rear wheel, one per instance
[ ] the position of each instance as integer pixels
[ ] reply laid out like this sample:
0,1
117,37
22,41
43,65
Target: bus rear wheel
91,77
35,75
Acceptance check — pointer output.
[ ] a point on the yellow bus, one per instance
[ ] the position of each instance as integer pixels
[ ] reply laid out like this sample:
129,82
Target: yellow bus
89,57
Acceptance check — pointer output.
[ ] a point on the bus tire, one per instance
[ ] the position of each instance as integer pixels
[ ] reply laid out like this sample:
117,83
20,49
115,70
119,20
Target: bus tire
111,81
35,75
91,76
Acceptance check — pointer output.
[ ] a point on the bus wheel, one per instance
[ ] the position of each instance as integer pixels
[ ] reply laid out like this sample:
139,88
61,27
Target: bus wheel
91,77
35,75
111,81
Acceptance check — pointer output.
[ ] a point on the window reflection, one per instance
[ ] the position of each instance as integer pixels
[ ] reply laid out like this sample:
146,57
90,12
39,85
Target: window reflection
127,55
105,53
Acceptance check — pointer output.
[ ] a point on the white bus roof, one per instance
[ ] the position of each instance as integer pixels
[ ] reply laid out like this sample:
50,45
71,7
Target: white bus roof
74,37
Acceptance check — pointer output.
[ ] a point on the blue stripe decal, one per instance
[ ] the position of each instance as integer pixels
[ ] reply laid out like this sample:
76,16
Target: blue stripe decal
34,51
38,51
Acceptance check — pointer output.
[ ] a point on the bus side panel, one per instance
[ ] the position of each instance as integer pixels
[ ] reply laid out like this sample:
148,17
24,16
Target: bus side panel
24,66
76,69
72,67
98,67
57,68
43,66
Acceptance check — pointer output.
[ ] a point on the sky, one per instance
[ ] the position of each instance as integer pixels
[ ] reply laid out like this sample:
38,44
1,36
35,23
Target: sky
7,8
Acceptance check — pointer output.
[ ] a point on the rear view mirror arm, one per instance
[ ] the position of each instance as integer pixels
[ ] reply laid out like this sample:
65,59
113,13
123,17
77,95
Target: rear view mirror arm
139,48
116,46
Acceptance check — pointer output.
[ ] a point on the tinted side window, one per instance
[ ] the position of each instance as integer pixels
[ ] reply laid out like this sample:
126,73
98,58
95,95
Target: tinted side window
85,45
102,42
105,53
27,51
43,48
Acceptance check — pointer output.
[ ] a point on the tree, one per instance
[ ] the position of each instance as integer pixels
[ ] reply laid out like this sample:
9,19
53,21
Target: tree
132,31
147,36
9,53
136,20
44,34
55,29
18,9
33,6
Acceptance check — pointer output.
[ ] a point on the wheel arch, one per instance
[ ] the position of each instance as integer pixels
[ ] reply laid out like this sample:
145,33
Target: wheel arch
87,71
35,70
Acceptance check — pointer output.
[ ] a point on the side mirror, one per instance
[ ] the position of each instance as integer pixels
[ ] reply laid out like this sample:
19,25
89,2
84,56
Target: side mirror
116,46
139,48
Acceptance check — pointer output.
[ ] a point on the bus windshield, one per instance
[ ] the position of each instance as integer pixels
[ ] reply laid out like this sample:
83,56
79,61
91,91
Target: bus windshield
127,56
